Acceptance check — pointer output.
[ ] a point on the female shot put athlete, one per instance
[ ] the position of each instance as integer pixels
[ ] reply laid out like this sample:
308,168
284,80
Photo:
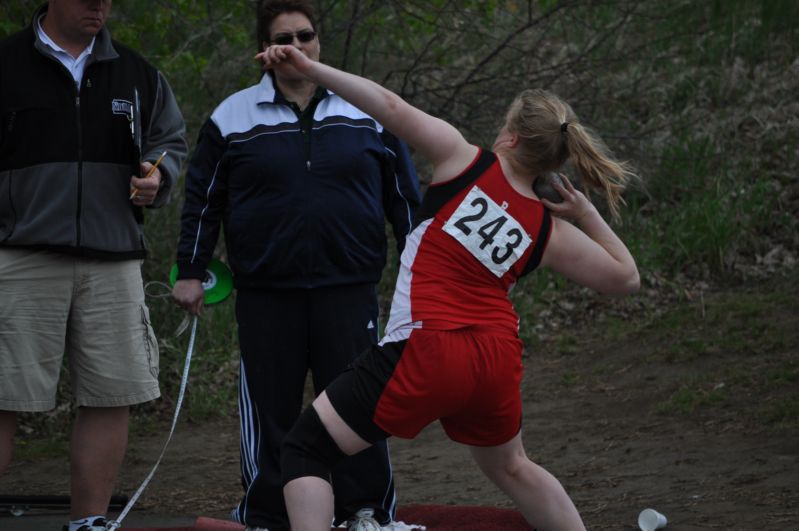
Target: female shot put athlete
452,351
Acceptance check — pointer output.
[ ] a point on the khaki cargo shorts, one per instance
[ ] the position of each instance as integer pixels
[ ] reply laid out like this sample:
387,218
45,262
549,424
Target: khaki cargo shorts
91,310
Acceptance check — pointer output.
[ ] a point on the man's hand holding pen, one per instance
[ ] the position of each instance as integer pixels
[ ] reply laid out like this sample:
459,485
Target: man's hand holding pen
144,189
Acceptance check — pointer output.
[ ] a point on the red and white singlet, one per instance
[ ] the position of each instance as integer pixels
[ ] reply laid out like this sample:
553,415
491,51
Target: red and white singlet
473,237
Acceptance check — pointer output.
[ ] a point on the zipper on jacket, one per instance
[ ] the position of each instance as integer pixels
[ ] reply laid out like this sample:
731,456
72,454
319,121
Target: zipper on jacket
305,122
306,126
307,130
80,170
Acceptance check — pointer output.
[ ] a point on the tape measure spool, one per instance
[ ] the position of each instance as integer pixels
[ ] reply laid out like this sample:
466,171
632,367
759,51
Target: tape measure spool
218,282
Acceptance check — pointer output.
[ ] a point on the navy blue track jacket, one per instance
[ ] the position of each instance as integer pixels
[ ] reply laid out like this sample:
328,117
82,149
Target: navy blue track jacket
302,205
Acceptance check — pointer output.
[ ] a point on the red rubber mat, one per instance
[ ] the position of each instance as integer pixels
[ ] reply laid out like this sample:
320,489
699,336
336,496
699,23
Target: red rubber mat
434,517
463,518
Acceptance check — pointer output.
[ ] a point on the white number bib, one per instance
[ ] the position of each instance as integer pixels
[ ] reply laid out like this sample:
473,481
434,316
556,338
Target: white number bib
486,230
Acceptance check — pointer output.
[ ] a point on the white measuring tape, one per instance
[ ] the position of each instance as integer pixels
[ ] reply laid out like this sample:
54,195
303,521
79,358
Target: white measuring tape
115,524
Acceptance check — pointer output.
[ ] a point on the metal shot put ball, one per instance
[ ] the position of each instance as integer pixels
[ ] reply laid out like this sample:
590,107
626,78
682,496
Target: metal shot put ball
543,188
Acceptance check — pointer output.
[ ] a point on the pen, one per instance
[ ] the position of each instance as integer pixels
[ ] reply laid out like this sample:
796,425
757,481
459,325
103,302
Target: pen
157,162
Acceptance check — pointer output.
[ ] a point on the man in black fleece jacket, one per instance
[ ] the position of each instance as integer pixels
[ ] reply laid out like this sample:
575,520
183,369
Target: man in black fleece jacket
82,121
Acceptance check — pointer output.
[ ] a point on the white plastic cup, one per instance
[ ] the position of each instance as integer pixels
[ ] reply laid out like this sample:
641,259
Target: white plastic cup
650,519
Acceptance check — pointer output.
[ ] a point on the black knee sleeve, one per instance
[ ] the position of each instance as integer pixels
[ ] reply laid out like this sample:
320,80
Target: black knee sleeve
308,449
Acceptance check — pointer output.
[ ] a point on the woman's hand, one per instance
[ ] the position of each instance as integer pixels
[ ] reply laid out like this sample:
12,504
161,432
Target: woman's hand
574,206
592,255
282,58
189,294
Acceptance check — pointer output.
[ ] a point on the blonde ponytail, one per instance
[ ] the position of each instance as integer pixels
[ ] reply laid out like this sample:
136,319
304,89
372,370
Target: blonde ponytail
550,134
589,155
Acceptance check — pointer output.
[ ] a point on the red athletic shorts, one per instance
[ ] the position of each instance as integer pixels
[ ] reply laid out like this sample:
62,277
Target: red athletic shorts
468,378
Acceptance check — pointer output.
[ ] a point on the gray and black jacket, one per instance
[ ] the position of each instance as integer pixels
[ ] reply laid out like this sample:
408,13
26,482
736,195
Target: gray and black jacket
67,155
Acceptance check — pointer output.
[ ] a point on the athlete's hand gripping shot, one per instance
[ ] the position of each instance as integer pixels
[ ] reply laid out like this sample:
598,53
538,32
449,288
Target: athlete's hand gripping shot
479,229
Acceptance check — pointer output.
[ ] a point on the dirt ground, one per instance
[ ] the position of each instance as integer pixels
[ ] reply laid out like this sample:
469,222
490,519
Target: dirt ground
593,416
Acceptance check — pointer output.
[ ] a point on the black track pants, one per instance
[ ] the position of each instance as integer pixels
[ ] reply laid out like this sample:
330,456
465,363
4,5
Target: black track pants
283,334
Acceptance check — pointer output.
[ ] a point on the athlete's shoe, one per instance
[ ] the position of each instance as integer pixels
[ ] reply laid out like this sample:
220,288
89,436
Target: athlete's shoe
248,528
402,526
98,524
364,521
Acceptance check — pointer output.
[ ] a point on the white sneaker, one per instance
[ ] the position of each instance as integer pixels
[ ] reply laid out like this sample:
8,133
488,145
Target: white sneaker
248,528
98,524
364,521
402,526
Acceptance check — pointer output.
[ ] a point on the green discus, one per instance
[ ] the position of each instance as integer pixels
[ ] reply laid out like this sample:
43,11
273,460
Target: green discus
218,282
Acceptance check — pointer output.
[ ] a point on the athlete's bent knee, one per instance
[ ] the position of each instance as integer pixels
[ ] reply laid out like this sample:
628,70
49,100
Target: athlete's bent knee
308,449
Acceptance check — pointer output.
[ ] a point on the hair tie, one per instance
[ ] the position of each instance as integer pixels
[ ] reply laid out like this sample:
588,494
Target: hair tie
564,126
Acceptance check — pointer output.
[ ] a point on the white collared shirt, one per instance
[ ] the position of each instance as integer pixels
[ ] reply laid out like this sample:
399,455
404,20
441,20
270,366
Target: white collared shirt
76,66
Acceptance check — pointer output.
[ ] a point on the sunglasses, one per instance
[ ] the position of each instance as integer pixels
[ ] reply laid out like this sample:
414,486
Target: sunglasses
288,38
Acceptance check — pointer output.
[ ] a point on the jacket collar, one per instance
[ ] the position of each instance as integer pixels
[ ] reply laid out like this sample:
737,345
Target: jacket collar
268,92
